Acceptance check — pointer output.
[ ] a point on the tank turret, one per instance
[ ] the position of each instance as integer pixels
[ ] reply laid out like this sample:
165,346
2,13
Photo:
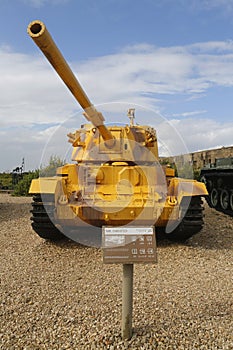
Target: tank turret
116,178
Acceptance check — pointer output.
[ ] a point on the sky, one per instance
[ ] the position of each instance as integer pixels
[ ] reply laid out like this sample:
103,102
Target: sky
172,60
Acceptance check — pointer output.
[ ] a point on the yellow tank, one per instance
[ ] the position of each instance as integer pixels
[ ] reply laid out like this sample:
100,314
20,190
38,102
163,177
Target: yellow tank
116,179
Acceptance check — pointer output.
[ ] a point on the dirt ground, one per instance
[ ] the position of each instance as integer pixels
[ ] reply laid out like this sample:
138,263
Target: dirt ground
62,296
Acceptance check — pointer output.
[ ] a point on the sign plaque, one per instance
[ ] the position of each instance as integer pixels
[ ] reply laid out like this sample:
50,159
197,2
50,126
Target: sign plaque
129,245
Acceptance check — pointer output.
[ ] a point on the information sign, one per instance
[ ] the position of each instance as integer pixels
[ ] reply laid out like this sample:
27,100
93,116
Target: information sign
129,245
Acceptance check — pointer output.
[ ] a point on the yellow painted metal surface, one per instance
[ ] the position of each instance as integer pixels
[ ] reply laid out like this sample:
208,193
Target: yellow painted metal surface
186,187
44,185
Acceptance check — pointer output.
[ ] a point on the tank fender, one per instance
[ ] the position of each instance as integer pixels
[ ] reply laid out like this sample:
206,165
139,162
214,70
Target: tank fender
179,187
46,185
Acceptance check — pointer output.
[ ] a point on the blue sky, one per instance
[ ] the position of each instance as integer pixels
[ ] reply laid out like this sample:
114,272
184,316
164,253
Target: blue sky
172,58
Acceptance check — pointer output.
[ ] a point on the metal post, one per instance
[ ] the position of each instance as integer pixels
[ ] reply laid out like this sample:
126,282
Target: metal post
127,301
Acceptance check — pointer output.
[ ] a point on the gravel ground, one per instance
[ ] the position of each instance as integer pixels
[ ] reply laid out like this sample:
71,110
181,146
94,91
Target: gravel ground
61,296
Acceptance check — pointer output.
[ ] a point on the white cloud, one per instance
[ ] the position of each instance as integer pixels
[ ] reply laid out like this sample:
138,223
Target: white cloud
213,4
189,69
189,114
32,94
224,7
40,3
30,91
201,134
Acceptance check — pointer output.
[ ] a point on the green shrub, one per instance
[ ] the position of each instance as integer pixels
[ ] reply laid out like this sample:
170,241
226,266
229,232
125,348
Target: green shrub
50,170
6,180
22,187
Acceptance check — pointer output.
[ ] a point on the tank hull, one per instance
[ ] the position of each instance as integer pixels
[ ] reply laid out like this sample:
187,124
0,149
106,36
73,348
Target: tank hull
116,196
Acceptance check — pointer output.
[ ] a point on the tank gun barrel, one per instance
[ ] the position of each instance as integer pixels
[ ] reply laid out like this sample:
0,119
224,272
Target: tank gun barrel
40,35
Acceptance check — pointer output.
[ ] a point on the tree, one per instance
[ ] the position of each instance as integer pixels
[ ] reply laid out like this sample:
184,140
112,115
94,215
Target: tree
50,170
185,171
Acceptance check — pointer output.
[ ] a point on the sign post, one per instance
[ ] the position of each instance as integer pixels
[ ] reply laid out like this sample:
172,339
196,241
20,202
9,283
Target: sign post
128,245
127,301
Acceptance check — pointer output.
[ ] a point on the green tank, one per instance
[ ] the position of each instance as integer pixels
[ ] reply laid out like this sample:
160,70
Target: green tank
218,178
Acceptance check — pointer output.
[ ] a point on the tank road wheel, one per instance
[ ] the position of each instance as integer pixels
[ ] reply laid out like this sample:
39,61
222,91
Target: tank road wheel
42,214
214,197
192,221
224,199
231,200
203,179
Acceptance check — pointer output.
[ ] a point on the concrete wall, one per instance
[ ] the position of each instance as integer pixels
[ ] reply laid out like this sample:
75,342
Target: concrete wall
201,158
204,158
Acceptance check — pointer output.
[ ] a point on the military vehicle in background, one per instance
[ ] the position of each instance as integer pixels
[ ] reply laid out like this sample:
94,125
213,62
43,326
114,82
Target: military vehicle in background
218,178
116,178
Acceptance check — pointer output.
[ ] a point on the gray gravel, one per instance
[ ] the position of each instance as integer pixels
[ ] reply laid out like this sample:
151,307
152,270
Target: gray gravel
61,296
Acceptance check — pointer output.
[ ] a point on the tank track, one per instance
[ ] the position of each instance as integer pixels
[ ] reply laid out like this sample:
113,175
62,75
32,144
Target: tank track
42,216
218,208
192,219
